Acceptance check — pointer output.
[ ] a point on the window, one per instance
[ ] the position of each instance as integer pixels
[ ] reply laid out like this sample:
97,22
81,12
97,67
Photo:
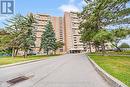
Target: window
73,30
61,50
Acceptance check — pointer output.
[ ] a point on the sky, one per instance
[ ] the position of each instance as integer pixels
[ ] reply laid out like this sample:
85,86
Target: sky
51,7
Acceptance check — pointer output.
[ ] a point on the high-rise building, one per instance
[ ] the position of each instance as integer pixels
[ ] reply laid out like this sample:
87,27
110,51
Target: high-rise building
41,21
73,43
66,30
58,25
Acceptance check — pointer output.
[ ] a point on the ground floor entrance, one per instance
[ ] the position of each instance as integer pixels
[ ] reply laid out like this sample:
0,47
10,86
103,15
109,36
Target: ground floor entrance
75,51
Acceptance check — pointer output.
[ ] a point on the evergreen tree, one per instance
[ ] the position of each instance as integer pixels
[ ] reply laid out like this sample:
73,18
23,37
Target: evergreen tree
58,45
99,15
28,38
21,34
48,40
15,26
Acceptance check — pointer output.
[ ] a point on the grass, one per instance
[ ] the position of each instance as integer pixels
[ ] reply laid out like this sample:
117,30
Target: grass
117,66
112,53
10,60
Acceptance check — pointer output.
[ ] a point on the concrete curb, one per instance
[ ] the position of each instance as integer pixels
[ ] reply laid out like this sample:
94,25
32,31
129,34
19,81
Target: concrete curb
20,63
110,79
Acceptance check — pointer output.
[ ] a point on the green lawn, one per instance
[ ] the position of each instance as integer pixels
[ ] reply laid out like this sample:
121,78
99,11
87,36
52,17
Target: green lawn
10,60
117,66
112,53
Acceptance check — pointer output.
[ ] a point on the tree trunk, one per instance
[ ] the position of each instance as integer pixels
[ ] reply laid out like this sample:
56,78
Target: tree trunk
25,54
47,51
55,52
13,52
117,47
90,47
95,48
98,48
103,48
16,53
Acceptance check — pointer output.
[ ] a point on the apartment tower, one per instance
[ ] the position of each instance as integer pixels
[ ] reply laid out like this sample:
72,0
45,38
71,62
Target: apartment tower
58,25
73,43
41,21
66,30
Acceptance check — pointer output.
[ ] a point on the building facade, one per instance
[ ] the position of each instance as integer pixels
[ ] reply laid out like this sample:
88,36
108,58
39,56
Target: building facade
41,21
66,30
58,25
73,43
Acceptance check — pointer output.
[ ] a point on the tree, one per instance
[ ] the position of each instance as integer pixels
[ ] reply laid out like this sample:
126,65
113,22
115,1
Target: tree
21,33
124,45
15,26
28,39
99,15
118,35
58,45
48,40
103,36
87,32
3,40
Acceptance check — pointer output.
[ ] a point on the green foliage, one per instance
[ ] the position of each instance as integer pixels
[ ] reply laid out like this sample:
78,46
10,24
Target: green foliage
121,33
103,36
97,15
118,35
58,45
15,27
21,33
28,39
48,40
124,45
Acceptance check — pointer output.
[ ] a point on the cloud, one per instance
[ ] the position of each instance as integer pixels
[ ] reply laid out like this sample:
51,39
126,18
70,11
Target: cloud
127,40
3,20
4,17
82,3
71,1
69,7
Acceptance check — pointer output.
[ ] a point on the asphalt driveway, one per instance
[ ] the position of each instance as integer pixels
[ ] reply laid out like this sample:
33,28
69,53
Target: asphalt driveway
70,70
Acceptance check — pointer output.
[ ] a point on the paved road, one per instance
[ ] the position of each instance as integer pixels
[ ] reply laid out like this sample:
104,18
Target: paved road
71,70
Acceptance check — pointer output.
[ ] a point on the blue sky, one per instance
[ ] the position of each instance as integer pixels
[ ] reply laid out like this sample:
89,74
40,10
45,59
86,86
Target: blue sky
52,7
